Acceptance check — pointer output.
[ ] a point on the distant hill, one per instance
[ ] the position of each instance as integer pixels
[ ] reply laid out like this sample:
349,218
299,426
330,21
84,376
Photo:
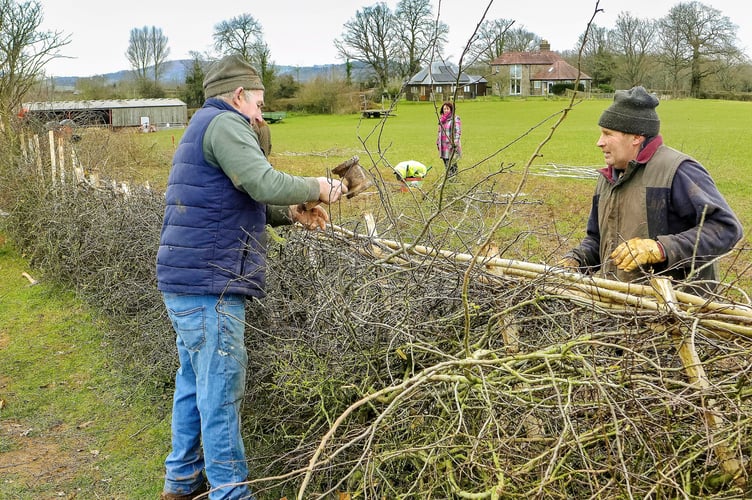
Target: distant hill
174,73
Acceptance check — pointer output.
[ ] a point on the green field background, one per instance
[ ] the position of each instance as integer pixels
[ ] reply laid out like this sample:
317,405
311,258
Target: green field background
503,134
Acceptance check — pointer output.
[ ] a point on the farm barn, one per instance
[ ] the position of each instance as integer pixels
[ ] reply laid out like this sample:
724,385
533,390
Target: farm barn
148,114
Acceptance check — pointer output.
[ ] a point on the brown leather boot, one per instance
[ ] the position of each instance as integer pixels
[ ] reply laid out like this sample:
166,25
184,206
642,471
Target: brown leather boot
187,496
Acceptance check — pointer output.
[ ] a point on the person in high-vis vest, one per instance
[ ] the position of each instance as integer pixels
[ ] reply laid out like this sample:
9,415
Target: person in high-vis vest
410,169
656,210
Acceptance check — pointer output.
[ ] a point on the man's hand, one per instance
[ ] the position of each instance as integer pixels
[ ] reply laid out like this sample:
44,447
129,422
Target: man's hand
569,263
330,190
311,218
637,252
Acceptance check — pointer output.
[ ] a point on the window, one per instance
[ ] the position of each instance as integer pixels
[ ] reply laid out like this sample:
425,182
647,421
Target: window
438,90
515,79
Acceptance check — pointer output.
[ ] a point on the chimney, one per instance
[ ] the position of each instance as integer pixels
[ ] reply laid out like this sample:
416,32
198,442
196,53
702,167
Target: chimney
545,46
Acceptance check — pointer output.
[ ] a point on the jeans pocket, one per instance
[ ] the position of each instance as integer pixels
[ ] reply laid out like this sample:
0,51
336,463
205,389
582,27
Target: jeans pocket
231,316
190,326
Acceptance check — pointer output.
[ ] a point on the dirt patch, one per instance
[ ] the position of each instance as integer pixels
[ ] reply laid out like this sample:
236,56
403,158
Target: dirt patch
30,459
42,462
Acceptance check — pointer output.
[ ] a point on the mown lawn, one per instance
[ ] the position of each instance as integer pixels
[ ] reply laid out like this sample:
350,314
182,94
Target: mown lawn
500,139
502,134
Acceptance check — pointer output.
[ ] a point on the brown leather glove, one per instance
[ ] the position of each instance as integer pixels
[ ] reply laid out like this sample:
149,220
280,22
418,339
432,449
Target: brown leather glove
569,263
310,218
264,136
637,252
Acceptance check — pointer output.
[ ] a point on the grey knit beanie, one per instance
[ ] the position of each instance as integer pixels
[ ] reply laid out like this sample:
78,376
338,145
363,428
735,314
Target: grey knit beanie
229,73
632,112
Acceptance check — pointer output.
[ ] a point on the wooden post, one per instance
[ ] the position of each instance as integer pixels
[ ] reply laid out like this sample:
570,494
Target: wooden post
53,161
372,233
24,151
78,170
38,155
61,155
694,370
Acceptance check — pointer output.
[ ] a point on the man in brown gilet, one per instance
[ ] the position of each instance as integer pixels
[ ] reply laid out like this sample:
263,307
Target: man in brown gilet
655,210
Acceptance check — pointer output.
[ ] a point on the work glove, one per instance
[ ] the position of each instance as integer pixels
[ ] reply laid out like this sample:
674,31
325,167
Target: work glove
569,263
310,218
637,252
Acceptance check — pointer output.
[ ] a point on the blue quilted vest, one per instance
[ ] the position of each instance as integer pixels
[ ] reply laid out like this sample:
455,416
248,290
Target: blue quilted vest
213,239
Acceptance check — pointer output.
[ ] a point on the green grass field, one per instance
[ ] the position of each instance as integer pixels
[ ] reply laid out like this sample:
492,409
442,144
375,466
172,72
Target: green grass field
503,134
70,427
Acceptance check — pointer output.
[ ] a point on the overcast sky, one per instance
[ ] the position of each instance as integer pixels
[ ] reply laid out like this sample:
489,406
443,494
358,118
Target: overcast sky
301,32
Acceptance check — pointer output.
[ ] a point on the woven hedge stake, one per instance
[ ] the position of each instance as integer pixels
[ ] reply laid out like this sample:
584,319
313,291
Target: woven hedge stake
694,370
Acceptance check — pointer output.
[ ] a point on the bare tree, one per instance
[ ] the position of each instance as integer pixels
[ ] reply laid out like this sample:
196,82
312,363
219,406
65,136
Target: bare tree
697,37
238,35
419,33
244,35
491,40
519,39
597,55
24,51
672,56
372,38
139,52
635,38
159,51
729,75
147,49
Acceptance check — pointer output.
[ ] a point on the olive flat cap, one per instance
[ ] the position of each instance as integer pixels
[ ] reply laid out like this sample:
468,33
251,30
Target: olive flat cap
229,73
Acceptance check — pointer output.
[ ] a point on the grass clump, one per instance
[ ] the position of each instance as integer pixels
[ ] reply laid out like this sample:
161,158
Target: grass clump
70,425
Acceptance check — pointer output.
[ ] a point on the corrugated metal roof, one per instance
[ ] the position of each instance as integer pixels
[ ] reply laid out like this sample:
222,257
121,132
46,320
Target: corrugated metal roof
102,104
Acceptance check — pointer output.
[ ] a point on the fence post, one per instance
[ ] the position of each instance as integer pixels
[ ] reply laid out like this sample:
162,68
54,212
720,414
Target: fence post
24,153
61,155
78,171
38,155
53,161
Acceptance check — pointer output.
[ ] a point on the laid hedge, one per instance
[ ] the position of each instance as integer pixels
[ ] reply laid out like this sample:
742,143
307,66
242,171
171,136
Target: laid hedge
386,374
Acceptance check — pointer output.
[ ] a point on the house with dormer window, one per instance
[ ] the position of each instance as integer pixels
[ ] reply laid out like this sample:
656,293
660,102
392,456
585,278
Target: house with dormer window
534,73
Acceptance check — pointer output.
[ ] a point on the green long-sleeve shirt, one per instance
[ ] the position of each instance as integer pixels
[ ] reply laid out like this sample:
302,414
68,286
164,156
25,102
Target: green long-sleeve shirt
232,145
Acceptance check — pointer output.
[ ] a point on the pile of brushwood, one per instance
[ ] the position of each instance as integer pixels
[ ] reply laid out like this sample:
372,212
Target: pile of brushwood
387,370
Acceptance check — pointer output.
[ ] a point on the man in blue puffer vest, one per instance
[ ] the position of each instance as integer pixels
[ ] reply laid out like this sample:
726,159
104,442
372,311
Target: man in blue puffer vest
221,194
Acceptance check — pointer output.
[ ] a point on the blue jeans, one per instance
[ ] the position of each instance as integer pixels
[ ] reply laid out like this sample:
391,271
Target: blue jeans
209,388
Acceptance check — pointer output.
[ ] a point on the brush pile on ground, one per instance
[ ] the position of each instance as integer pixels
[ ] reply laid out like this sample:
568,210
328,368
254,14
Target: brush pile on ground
389,373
